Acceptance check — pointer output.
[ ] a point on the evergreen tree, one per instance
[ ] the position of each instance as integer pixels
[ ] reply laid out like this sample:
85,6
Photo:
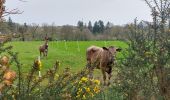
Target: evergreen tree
80,25
101,26
90,27
22,30
108,25
10,24
96,27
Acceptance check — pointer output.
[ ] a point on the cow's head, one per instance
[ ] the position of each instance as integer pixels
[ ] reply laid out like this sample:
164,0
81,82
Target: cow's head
112,49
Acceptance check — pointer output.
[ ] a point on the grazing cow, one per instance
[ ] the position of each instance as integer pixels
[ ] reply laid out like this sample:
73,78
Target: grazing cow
44,49
101,58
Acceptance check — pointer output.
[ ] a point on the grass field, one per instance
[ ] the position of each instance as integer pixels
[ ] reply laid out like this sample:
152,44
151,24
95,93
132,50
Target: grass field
70,54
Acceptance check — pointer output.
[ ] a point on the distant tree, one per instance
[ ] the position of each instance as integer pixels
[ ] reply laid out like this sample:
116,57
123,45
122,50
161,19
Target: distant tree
22,30
90,27
45,28
66,32
101,26
53,30
80,25
33,30
4,28
108,25
10,24
96,27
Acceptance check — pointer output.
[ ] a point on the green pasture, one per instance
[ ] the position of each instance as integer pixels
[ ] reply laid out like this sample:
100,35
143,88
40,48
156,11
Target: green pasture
69,53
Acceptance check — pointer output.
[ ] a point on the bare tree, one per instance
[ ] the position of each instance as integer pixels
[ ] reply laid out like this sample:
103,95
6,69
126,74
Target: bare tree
33,30
5,12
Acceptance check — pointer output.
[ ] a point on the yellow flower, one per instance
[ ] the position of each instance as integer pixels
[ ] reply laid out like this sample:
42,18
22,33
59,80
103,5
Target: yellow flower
79,91
78,96
84,97
39,65
92,95
84,79
56,76
87,89
97,82
80,82
96,89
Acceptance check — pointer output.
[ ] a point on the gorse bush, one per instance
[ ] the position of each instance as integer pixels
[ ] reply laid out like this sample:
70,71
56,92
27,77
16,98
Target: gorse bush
86,88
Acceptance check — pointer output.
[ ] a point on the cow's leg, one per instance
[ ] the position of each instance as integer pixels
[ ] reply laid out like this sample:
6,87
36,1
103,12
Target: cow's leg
40,53
88,65
91,72
110,75
109,71
90,69
104,76
44,54
47,52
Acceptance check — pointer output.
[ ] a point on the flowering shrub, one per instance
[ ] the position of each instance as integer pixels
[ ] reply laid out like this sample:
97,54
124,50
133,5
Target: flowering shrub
86,88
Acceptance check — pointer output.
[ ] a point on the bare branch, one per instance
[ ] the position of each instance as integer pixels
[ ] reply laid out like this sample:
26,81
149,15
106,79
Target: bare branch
148,3
161,5
165,3
167,9
13,11
156,3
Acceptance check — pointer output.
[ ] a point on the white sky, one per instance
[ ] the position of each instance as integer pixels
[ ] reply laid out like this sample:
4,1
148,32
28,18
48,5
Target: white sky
63,12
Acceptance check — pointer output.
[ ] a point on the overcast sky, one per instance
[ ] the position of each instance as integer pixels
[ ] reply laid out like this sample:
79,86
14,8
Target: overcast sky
63,12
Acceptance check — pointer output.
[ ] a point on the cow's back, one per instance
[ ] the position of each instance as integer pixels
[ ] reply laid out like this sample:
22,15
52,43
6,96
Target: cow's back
93,55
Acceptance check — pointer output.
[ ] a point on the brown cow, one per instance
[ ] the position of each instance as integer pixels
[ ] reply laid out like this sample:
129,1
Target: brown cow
101,58
44,49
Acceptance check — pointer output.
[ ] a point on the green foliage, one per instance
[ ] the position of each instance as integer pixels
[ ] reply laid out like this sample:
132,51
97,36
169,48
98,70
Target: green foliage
143,73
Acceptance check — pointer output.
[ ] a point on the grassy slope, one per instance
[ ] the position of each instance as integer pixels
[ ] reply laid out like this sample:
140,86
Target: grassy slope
66,52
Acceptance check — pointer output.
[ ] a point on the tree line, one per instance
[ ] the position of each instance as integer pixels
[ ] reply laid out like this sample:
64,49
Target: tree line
98,28
83,31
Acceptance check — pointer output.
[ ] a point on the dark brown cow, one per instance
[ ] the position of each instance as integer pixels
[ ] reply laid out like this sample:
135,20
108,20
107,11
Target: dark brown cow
101,58
44,49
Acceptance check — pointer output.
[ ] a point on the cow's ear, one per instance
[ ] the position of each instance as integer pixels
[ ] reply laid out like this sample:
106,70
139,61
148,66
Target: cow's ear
118,49
104,48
